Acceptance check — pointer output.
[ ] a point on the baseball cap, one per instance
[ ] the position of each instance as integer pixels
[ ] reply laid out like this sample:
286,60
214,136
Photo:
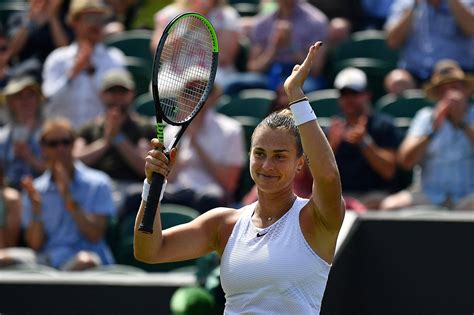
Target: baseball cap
17,84
80,6
117,77
351,78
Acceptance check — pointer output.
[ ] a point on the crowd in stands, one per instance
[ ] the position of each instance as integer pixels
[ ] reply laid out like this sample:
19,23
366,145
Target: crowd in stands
72,145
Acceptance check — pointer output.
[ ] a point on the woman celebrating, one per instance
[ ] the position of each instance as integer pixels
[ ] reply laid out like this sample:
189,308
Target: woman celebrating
275,253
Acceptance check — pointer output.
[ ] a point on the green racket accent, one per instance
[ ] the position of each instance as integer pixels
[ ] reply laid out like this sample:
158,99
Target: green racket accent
212,31
159,132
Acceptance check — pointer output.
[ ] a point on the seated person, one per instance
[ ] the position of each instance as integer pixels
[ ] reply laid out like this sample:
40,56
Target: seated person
66,209
279,40
364,142
441,141
116,142
211,157
397,81
20,152
430,30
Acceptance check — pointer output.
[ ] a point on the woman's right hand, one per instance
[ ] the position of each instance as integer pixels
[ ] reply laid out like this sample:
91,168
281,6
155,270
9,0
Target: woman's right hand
157,161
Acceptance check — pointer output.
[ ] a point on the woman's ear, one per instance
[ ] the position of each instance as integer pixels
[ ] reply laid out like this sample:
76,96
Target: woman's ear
300,164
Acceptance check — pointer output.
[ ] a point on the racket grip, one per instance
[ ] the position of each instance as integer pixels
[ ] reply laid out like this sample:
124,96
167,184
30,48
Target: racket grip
153,199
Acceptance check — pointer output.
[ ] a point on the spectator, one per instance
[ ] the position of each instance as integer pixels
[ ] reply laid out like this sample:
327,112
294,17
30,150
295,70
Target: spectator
224,18
10,214
211,157
35,33
72,74
430,30
124,11
117,142
66,208
20,152
279,40
375,13
441,141
364,142
5,69
397,81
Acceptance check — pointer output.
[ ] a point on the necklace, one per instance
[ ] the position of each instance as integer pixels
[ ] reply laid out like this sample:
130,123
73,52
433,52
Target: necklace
291,203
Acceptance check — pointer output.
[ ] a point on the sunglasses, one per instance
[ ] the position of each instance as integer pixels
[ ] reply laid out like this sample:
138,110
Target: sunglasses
347,91
57,142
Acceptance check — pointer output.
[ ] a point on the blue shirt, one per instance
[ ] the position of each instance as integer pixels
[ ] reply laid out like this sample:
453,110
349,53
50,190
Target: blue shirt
448,165
14,167
433,35
91,189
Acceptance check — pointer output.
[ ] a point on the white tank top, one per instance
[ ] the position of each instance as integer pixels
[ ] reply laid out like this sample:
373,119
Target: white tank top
272,270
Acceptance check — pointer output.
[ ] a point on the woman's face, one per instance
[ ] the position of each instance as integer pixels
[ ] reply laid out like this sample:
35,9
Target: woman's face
273,159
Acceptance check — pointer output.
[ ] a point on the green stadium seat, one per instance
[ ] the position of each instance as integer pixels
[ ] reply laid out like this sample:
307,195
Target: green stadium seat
248,102
403,108
249,124
367,44
133,43
171,215
141,73
9,7
144,105
325,105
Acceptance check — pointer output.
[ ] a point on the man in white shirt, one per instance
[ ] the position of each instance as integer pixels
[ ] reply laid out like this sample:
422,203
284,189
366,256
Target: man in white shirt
72,74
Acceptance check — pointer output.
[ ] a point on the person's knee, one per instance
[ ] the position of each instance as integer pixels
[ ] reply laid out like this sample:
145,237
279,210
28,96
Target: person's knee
84,260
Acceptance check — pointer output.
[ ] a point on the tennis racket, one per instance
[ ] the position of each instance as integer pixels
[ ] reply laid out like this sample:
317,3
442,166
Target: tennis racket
184,68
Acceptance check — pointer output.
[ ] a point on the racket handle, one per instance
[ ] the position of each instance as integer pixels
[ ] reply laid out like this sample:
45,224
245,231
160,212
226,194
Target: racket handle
153,199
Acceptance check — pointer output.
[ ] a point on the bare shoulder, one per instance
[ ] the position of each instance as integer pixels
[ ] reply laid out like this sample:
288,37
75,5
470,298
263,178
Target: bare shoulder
223,220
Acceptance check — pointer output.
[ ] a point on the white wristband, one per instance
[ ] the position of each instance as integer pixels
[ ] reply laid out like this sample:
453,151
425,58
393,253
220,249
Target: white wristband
146,190
302,112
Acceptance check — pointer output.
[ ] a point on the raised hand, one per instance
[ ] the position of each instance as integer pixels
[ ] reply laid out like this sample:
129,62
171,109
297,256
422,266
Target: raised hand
294,83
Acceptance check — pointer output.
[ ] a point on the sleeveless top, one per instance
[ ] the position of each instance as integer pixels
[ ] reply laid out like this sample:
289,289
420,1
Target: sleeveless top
272,270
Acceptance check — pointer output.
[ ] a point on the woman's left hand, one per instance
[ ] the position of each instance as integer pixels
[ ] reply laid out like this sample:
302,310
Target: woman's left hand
294,83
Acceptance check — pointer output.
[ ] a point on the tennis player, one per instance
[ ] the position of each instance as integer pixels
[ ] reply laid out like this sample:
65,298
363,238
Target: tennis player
277,252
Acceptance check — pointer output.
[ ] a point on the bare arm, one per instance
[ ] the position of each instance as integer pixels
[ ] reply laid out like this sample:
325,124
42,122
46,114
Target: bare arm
397,33
463,15
182,242
412,151
327,194
383,161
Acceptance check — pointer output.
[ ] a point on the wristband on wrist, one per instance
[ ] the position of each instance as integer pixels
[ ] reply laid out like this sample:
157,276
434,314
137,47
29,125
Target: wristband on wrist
302,112
118,139
298,100
146,190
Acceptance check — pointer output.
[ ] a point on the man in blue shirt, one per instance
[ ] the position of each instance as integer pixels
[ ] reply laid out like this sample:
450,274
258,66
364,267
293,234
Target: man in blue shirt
427,31
66,209
441,141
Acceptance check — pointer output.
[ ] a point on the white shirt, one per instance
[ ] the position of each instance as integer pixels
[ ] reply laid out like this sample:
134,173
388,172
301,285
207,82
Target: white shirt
273,270
222,138
78,99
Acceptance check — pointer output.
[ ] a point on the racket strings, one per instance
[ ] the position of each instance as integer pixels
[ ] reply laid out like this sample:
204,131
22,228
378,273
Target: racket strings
186,62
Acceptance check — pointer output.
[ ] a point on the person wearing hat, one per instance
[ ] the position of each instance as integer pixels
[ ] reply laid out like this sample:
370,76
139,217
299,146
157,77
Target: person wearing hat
364,142
117,141
20,151
441,141
72,74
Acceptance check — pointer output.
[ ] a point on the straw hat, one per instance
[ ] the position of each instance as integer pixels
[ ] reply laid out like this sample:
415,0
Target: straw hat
18,84
446,71
83,6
